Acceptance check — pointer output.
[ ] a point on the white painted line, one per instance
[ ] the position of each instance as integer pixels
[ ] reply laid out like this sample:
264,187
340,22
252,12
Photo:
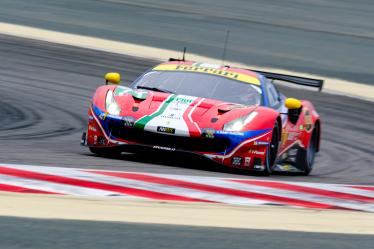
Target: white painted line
351,204
57,187
185,192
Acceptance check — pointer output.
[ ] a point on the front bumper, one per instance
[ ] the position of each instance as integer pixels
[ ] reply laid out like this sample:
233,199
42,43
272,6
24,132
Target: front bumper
246,150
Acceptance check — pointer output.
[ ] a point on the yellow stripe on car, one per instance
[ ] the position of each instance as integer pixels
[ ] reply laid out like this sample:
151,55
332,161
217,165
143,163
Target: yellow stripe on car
224,73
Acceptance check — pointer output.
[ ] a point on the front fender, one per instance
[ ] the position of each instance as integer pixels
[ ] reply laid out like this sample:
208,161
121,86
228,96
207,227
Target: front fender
309,120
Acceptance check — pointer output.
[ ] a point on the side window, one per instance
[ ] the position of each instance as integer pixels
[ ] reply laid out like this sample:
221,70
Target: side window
273,95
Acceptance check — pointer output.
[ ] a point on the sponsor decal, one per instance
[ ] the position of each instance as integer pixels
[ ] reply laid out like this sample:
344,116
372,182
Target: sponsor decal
289,136
247,161
261,143
259,167
256,152
101,140
90,117
208,132
210,70
128,121
236,160
95,139
171,116
103,116
230,133
163,129
92,128
183,100
301,127
307,120
163,148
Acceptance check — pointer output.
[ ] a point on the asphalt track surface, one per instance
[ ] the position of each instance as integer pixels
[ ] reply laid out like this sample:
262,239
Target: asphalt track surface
333,38
46,89
45,92
26,233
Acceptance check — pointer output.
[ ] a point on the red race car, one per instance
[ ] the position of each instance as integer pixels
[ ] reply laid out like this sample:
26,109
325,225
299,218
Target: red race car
236,117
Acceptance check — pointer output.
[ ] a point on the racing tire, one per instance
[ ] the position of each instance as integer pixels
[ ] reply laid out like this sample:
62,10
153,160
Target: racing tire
272,151
105,152
305,157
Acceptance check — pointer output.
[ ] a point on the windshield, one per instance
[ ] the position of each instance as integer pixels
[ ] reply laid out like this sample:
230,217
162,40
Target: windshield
202,85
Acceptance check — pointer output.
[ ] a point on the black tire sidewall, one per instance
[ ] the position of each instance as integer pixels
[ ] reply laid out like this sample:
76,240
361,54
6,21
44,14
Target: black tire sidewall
304,162
271,159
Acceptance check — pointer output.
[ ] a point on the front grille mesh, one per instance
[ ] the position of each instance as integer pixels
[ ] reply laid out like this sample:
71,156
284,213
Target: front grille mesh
200,144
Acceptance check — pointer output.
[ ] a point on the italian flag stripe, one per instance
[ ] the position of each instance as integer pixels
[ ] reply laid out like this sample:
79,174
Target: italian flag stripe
144,120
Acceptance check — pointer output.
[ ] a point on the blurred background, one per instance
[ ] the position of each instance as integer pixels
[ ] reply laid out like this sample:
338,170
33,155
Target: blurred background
332,38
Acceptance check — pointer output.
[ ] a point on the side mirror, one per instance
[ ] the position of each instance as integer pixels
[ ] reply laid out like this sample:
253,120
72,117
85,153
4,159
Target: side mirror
114,78
294,109
292,103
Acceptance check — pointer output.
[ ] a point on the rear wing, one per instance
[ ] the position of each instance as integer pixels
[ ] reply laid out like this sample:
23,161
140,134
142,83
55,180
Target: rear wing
293,79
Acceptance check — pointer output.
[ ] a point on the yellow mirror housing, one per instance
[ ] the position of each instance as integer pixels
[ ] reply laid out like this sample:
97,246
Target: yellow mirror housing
114,78
292,103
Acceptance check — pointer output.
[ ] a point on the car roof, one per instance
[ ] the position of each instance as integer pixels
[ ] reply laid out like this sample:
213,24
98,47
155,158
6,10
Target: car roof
239,74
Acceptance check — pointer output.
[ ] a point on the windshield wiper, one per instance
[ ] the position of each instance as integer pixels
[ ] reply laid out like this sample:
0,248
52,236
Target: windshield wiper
154,89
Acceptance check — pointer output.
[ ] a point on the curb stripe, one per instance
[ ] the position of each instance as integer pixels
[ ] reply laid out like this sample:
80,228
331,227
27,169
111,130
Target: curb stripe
63,189
18,189
308,190
90,184
347,204
214,189
135,185
339,188
363,187
180,191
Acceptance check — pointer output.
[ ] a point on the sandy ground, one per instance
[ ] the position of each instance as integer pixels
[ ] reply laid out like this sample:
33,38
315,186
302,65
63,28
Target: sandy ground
331,85
195,214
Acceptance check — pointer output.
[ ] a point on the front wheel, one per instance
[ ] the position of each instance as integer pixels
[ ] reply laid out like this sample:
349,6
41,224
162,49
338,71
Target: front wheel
272,151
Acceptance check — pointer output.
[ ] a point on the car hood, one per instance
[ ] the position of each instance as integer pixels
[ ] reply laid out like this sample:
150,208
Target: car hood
181,115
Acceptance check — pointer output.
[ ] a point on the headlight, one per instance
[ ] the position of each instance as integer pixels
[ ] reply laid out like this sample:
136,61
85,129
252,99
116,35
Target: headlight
111,105
238,124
